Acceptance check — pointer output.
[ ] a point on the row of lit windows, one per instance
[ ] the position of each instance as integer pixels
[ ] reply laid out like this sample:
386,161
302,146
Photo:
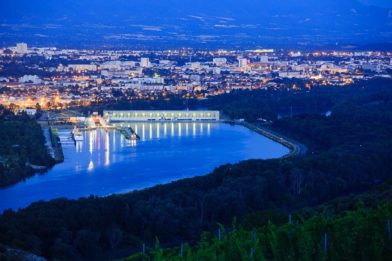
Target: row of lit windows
151,114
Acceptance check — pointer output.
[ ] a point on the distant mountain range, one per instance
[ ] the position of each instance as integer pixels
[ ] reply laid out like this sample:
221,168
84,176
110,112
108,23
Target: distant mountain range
196,23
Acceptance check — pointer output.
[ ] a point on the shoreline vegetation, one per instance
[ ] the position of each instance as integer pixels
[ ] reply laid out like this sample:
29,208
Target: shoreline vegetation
23,151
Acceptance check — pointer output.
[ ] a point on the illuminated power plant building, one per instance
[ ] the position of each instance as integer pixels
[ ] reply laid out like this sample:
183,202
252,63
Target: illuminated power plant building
140,116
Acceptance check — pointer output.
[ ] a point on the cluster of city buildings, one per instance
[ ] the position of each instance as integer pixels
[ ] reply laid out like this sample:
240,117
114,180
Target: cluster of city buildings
58,78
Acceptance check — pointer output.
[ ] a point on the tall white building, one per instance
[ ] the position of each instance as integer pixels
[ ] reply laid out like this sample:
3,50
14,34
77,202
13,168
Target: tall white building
264,59
195,65
243,62
21,48
220,61
145,62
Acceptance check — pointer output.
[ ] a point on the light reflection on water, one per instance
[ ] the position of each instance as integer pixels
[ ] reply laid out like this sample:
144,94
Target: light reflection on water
106,162
150,131
113,141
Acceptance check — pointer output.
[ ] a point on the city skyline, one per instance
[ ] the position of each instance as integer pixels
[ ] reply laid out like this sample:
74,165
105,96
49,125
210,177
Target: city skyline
71,77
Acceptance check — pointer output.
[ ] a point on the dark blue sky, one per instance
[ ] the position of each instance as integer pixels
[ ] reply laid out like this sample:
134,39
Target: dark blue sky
382,3
202,23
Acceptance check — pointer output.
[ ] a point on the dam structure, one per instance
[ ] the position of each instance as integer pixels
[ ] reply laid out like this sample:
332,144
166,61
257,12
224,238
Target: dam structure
159,115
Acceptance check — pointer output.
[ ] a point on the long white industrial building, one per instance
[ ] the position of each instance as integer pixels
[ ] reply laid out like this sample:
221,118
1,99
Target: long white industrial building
119,116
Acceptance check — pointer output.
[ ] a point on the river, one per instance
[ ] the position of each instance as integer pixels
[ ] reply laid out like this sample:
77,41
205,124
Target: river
105,162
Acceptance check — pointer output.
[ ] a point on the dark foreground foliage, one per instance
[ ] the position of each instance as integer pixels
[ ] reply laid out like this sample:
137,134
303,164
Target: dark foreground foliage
350,152
362,234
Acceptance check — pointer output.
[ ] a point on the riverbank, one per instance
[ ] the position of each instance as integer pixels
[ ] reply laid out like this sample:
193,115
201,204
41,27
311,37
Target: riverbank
296,149
56,145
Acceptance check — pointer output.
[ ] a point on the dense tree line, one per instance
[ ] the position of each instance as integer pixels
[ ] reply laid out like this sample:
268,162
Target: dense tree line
251,105
22,144
350,151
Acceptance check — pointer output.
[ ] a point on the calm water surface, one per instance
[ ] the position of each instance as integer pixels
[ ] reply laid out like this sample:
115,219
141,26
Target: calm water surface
106,163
